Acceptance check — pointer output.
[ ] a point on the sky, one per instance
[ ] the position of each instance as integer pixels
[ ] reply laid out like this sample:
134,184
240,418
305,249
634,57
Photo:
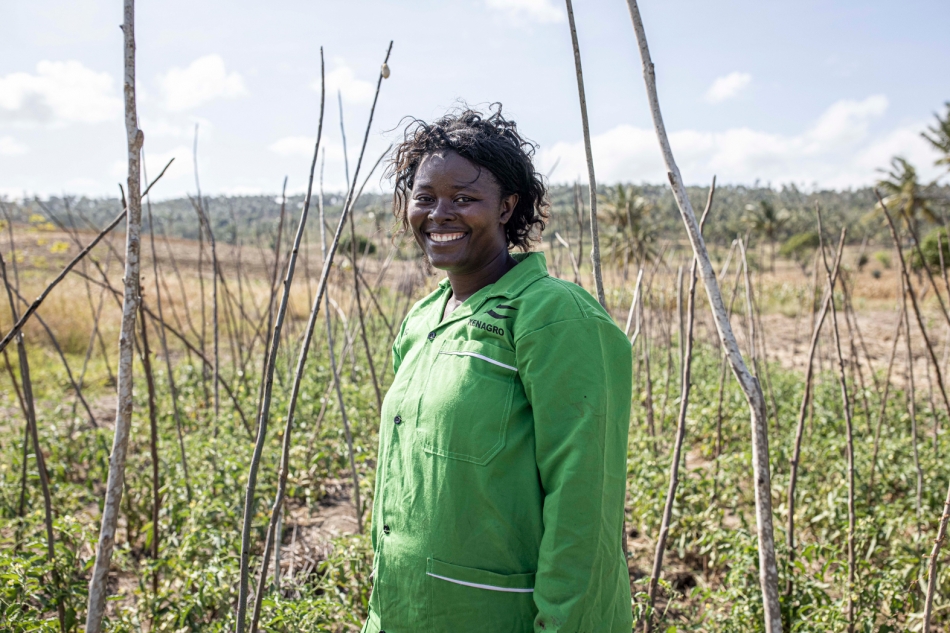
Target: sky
812,93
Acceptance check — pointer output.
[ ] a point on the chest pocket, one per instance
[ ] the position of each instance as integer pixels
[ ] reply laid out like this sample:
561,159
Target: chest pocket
463,413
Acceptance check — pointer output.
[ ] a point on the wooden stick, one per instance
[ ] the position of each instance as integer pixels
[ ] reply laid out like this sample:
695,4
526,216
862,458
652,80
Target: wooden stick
40,460
62,357
916,306
566,245
172,386
96,311
802,413
768,568
356,291
21,506
887,387
204,217
846,403
113,496
123,417
592,181
723,366
285,451
153,444
942,528
687,361
324,277
633,305
911,395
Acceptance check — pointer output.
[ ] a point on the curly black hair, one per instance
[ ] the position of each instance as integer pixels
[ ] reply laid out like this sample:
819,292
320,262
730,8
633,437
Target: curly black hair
492,142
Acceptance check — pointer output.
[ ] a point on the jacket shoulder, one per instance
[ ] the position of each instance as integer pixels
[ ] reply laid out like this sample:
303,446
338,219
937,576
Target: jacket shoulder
551,300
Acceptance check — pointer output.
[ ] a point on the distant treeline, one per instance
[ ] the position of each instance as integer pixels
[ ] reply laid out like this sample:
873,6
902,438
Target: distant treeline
769,214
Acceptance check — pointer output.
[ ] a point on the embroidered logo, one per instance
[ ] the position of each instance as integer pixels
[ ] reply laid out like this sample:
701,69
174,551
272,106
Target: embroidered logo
500,306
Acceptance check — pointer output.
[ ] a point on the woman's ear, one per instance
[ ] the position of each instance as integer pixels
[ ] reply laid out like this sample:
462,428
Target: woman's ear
508,204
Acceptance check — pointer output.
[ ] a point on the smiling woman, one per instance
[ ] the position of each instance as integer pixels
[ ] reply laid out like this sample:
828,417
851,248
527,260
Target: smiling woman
502,459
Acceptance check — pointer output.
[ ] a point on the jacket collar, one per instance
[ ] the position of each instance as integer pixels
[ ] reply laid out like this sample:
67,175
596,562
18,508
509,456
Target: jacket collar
530,268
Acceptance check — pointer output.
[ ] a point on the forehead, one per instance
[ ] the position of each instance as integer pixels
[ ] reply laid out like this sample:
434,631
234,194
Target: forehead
446,168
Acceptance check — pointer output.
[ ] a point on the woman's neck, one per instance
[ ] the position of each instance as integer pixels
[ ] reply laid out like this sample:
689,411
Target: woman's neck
464,285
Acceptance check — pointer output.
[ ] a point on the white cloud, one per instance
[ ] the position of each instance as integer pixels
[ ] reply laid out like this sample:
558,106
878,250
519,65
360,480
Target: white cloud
59,93
9,146
727,86
847,121
204,80
838,150
302,147
343,79
542,11
293,146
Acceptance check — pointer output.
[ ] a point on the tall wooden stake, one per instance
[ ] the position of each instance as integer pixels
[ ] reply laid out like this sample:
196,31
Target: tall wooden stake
768,569
592,181
123,414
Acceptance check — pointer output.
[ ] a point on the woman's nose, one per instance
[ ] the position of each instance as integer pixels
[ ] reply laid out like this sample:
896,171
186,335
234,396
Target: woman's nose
443,211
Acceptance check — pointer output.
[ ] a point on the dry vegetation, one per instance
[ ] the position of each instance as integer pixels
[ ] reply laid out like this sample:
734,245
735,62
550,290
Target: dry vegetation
708,581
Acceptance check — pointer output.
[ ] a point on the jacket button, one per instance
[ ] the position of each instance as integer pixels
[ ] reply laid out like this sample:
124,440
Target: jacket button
432,335
386,529
397,420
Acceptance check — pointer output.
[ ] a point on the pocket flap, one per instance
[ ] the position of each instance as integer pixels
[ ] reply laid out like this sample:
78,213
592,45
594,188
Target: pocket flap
479,578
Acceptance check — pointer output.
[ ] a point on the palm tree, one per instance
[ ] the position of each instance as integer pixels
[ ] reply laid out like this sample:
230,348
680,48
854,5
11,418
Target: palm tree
628,233
903,191
939,136
766,220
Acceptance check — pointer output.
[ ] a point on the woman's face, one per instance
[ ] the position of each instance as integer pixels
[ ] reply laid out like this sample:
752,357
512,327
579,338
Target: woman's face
457,213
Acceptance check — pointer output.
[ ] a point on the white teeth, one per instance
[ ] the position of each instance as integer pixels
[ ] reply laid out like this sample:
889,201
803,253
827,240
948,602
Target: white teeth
446,237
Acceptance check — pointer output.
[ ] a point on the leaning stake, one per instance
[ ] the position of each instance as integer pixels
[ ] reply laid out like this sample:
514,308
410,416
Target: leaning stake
768,570
592,182
849,431
686,366
942,529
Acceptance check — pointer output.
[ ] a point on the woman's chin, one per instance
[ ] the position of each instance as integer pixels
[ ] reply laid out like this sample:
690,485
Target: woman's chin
442,261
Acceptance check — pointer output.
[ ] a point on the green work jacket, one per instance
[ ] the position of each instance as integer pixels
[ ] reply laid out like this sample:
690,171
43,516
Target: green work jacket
502,464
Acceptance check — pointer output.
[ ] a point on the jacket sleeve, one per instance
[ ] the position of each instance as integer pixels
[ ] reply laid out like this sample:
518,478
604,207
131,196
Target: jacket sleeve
577,377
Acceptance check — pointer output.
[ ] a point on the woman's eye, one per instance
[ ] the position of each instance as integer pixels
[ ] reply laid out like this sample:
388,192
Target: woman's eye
464,199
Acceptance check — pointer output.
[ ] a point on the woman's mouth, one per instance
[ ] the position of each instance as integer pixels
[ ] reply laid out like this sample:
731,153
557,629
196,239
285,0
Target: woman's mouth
445,237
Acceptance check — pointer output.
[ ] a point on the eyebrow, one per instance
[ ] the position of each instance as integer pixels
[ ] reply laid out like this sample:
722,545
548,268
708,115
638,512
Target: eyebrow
456,186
